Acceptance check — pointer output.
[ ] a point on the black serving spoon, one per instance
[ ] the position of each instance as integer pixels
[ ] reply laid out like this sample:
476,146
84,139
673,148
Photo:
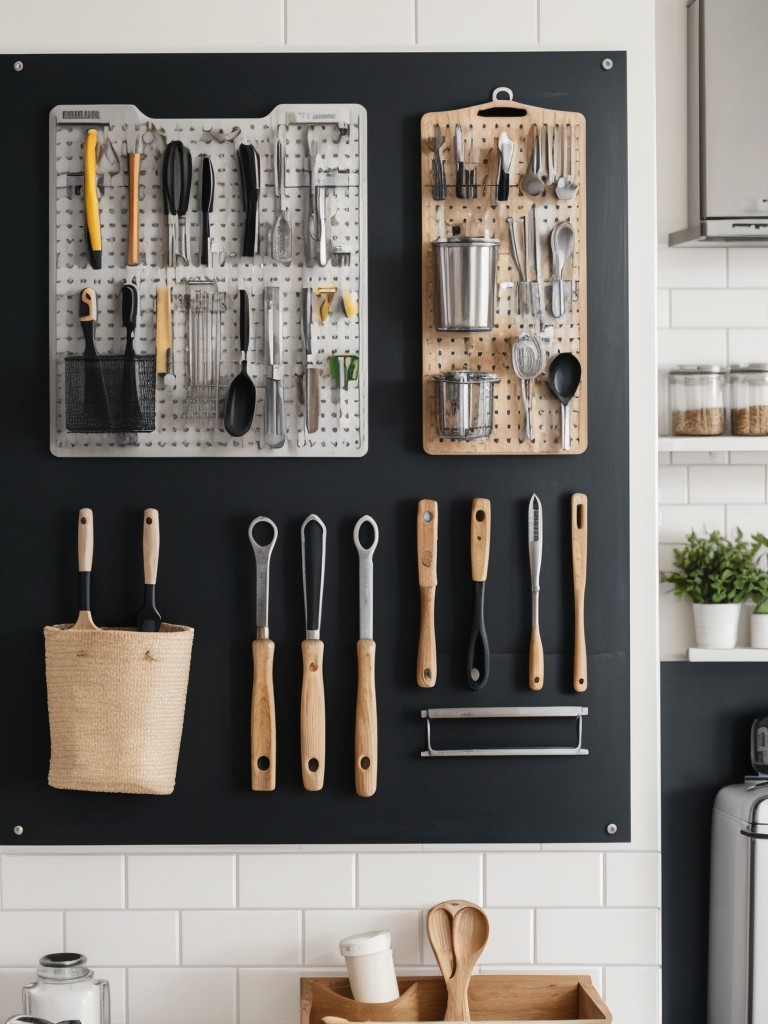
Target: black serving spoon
240,403
564,379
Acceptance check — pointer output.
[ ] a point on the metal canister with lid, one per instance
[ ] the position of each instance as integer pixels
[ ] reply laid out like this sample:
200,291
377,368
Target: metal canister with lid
697,400
67,990
748,389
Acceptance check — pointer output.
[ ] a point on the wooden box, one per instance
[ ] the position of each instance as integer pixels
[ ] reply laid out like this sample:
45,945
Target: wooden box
548,998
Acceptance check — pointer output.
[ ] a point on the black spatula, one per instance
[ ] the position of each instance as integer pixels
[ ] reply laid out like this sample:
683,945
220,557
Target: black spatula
148,620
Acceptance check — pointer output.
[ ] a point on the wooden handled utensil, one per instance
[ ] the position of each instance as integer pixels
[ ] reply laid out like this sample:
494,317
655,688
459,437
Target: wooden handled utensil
579,553
84,565
148,620
134,172
366,732
312,692
478,662
458,932
263,735
426,546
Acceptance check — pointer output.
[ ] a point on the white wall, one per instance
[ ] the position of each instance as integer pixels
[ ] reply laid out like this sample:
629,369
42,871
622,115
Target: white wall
224,934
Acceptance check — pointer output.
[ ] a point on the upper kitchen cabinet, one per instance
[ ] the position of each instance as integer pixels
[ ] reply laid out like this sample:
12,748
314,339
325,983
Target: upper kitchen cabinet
727,151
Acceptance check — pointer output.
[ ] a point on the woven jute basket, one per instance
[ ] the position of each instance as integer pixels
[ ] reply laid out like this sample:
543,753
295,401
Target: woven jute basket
116,707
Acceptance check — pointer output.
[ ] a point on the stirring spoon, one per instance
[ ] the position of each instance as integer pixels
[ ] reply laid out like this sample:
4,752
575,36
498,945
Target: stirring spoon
564,379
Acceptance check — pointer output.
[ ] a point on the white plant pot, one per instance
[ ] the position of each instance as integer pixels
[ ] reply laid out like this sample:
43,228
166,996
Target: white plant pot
759,625
716,625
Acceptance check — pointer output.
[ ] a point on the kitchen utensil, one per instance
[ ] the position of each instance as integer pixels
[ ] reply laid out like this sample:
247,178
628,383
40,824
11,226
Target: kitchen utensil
263,735
84,565
534,231
465,283
204,313
134,171
478,661
458,155
182,240
440,935
250,190
96,407
535,548
130,412
579,554
471,173
240,403
164,337
567,186
148,620
465,404
546,162
311,373
532,182
317,237
91,195
438,167
520,259
506,151
431,715
274,407
207,188
458,932
426,548
528,361
562,242
312,729
327,293
564,379
177,184
366,737
282,235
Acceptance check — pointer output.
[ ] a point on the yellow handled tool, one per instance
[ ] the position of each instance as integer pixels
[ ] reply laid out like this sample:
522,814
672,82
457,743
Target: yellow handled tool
90,191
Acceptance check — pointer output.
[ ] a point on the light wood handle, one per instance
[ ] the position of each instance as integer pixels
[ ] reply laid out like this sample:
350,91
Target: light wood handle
134,170
312,716
480,538
426,667
426,549
366,734
163,329
536,661
151,544
263,738
426,542
579,552
85,540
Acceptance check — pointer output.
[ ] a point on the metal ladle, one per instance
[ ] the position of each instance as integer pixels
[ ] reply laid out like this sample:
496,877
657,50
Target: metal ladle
528,362
563,242
564,379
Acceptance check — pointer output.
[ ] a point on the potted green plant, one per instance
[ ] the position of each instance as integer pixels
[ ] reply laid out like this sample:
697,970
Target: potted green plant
759,618
718,575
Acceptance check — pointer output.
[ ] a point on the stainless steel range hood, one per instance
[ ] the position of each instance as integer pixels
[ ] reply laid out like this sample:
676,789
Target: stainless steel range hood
727,137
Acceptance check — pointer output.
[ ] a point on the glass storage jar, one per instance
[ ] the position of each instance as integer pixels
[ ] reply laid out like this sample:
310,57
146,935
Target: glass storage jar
749,400
697,400
66,990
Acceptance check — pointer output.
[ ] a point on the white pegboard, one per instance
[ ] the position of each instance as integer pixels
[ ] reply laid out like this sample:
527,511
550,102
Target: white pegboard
343,421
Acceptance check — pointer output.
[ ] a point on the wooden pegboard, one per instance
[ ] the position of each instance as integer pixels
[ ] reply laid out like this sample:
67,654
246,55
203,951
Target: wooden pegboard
492,351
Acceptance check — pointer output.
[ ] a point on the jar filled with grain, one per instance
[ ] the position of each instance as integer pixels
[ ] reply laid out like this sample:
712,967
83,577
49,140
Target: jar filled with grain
697,400
749,400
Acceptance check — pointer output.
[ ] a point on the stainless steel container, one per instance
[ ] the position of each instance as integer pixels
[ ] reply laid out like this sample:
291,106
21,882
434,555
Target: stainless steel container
465,404
465,283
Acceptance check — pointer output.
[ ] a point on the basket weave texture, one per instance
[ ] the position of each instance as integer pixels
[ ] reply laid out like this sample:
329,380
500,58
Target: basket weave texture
116,702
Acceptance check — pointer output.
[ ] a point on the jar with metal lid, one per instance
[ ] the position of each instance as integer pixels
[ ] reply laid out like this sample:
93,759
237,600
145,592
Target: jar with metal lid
66,990
697,400
749,400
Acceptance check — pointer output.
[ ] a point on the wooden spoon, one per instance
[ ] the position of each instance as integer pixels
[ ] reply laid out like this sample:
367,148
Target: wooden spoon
440,934
84,564
470,934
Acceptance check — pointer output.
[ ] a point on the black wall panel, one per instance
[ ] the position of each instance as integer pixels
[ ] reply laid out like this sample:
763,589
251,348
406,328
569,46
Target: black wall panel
206,572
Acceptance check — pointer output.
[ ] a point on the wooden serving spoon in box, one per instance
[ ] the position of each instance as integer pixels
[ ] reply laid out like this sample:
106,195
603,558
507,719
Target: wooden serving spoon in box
458,932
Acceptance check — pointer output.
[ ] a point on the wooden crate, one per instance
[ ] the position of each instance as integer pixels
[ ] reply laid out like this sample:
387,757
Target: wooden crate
547,998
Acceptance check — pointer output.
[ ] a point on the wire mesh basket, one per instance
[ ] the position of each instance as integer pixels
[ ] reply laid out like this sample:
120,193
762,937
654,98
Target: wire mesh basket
109,394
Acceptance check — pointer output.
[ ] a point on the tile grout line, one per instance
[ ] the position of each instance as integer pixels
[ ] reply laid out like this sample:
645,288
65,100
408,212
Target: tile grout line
415,22
285,22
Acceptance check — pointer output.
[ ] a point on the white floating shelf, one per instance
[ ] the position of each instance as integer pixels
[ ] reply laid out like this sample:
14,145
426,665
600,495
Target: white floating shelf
729,654
724,443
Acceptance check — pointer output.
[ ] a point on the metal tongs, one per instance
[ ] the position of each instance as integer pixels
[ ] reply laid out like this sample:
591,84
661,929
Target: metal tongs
177,185
274,407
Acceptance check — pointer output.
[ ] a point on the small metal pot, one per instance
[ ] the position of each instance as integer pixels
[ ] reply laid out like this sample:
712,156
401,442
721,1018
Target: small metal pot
465,283
465,404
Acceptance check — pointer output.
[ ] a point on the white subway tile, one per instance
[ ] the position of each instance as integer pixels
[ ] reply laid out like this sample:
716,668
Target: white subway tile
673,485
25,935
510,940
719,307
738,484
747,345
692,268
699,458
181,882
241,938
11,983
748,518
544,880
633,994
445,23
348,23
677,521
268,997
323,929
418,880
692,345
177,995
747,267
116,978
319,880
632,879
593,23
124,938
46,882
605,936
663,308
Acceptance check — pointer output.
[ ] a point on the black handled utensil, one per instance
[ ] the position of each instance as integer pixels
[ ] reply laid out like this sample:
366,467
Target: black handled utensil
240,403
207,187
250,183
186,191
96,408
148,620
172,196
478,662
131,411
312,692
84,566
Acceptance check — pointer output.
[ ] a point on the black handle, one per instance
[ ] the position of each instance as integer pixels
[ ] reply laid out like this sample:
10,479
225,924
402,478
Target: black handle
502,193
88,320
172,178
207,187
245,320
313,564
130,302
185,184
478,662
248,160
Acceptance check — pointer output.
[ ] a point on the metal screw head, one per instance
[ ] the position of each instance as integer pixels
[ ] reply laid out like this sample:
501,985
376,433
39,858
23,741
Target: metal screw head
611,829
607,64
18,65
18,830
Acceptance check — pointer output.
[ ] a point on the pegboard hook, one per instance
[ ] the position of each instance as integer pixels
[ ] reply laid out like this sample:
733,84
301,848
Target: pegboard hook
497,93
219,135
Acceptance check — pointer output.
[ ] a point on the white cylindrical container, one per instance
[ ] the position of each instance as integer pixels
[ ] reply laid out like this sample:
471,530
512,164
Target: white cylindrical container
66,990
370,967
716,625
